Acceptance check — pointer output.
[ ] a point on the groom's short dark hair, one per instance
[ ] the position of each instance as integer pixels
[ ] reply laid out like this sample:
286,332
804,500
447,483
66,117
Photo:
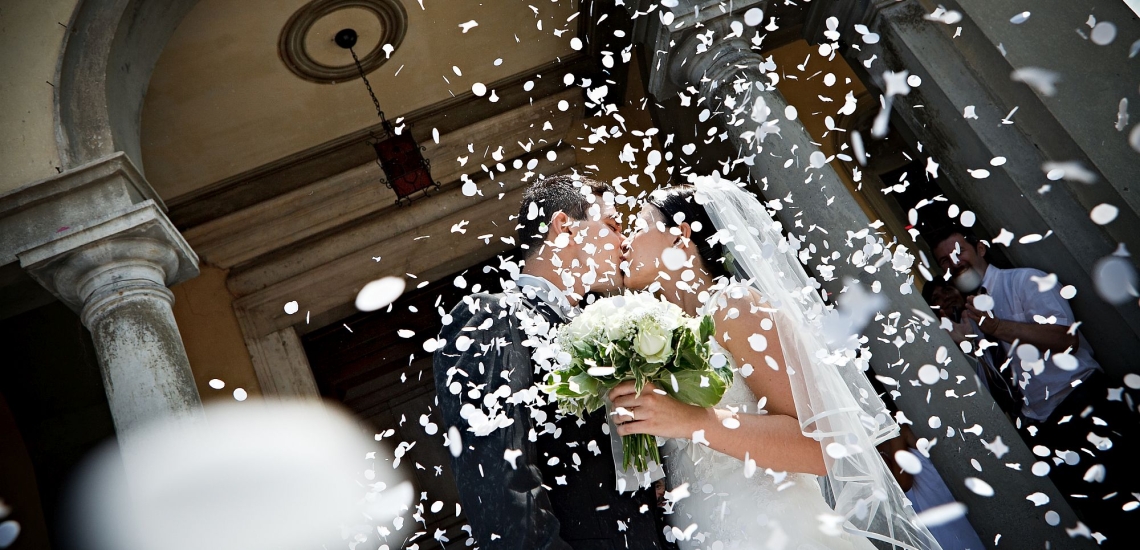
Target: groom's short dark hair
564,193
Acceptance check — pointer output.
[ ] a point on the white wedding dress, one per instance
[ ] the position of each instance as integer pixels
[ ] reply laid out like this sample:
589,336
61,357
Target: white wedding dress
769,510
835,405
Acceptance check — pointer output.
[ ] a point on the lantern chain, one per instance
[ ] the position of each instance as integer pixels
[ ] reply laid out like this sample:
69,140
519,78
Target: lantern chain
368,85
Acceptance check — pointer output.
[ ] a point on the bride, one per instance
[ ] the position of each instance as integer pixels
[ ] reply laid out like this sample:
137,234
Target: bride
744,473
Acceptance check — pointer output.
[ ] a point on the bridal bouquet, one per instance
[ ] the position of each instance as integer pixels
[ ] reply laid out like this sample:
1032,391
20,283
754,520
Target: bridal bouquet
636,337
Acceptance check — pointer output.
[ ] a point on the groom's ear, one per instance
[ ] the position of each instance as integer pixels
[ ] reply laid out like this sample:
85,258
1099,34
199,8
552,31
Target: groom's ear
686,233
559,223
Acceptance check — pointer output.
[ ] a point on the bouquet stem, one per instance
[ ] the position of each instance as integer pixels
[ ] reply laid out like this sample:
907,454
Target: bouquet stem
637,450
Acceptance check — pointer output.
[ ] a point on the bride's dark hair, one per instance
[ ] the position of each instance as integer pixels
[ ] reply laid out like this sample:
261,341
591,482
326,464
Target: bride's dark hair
680,199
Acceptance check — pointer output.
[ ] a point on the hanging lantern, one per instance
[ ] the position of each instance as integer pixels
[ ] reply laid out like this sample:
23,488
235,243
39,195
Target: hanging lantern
406,171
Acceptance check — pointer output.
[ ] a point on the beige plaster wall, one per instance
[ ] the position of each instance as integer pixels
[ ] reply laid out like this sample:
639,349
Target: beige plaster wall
204,311
602,161
31,40
221,102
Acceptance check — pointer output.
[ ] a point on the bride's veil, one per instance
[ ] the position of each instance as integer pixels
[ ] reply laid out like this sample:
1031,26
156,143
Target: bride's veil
835,402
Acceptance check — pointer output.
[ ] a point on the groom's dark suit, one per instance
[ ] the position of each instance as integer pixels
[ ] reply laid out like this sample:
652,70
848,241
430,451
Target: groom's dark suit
562,494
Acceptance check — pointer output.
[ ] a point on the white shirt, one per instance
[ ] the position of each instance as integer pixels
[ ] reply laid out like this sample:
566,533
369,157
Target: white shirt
546,291
1017,298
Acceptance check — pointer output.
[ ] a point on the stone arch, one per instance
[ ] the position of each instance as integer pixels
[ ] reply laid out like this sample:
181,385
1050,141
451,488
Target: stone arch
108,57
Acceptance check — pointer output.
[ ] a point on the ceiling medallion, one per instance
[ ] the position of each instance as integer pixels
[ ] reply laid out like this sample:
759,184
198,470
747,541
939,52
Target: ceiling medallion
295,55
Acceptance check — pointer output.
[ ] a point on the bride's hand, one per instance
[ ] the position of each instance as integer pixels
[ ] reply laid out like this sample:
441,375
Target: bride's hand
654,412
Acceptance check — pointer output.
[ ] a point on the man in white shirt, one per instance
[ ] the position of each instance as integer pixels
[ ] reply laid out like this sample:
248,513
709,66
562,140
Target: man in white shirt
989,357
1074,414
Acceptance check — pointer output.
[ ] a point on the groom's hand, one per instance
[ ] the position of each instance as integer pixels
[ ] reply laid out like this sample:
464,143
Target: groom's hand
654,412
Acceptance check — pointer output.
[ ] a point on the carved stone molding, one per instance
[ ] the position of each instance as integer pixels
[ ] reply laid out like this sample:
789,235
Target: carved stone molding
291,46
48,209
137,250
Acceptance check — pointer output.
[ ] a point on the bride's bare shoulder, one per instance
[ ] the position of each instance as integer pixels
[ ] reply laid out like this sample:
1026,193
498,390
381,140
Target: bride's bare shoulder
737,300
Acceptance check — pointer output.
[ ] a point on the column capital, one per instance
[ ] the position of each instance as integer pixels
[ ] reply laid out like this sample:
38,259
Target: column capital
137,251
708,66
686,19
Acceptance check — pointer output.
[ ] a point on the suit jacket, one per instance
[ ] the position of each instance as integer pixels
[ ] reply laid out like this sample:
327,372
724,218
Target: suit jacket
561,492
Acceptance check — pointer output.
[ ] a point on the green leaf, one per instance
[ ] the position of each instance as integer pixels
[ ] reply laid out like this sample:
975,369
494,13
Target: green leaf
691,353
689,388
707,329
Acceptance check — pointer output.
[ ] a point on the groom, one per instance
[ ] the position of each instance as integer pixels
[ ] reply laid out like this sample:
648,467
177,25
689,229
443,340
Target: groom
527,477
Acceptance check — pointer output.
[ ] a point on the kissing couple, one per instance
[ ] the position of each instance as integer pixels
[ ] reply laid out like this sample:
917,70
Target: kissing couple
798,417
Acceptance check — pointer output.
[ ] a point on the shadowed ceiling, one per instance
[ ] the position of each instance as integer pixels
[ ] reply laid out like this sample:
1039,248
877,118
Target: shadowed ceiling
222,102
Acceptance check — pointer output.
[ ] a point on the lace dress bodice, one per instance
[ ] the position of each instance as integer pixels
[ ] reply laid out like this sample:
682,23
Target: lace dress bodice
732,505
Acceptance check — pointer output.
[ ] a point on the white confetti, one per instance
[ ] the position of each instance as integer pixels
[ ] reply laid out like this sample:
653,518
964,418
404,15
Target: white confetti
1103,33
1040,469
1042,80
1068,292
997,161
454,441
1019,18
1071,171
217,384
753,17
1052,518
979,174
240,394
9,531
673,258
908,462
379,293
479,89
984,302
1103,214
1132,380
468,25
836,450
758,342
1065,361
941,515
997,447
1004,237
929,374
291,307
1115,279
969,219
512,456
979,487
1046,283
601,371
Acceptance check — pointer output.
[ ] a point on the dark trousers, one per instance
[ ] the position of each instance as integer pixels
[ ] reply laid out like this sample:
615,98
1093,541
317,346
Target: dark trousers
1099,504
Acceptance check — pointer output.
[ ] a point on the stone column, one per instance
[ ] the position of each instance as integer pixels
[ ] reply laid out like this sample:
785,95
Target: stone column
728,74
967,66
115,273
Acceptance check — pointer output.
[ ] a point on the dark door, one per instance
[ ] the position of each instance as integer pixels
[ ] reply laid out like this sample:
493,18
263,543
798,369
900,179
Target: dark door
385,378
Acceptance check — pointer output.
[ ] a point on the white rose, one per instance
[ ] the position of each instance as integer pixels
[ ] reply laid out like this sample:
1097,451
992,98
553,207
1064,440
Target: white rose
653,342
614,328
